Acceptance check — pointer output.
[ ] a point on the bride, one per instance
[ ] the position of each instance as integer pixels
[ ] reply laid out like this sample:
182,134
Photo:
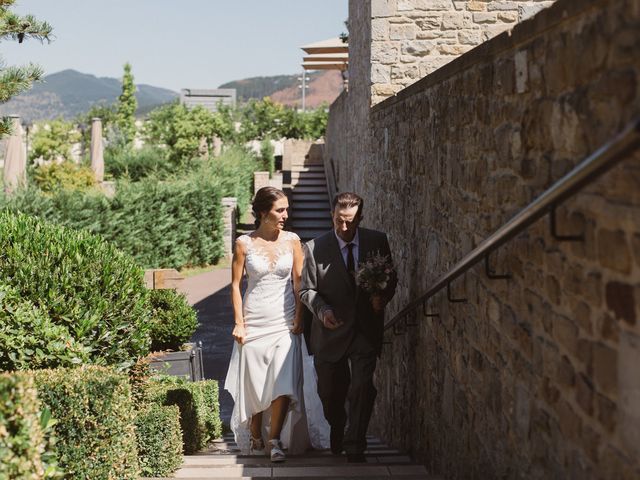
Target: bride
271,376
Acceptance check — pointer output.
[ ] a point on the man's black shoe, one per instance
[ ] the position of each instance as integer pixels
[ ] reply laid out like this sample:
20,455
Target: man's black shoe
336,436
356,458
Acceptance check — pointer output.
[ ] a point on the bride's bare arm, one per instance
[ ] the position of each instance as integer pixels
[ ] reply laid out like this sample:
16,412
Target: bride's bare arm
237,270
298,260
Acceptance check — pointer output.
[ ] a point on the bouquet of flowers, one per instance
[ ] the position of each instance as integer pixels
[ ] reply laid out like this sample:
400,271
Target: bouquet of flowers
375,274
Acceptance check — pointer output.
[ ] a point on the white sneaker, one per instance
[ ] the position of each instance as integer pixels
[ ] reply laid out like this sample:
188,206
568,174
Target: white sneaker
277,455
256,446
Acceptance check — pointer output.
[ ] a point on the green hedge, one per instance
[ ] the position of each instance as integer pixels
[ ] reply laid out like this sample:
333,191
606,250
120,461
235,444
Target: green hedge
160,224
138,164
27,450
159,439
29,339
94,427
198,404
173,320
86,287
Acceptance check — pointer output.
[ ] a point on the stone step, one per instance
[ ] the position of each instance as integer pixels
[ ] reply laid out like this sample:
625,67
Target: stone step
314,224
321,189
307,182
308,205
310,197
288,469
307,168
383,462
307,175
296,214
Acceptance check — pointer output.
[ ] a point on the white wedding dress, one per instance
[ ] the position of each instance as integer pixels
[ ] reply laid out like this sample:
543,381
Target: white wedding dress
273,361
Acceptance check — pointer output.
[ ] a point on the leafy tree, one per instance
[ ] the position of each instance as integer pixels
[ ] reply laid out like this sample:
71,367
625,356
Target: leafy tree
181,130
260,119
126,109
225,120
15,80
53,140
315,122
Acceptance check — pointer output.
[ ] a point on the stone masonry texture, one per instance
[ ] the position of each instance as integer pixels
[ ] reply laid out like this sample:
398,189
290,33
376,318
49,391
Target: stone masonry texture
537,376
412,38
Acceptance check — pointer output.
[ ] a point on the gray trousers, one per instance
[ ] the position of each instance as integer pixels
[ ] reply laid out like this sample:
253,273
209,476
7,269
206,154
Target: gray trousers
350,378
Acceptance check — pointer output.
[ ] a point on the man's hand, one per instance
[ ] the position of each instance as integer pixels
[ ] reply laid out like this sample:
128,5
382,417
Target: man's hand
378,302
330,321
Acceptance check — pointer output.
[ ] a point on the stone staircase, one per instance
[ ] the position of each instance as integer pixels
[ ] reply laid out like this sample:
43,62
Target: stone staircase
223,460
310,212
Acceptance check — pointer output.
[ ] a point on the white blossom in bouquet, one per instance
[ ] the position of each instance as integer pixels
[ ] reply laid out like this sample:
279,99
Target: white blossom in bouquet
375,274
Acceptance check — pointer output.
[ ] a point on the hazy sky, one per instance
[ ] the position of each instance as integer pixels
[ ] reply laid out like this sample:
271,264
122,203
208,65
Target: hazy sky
178,43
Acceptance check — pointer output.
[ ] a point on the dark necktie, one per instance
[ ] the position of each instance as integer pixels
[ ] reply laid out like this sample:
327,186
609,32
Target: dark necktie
351,264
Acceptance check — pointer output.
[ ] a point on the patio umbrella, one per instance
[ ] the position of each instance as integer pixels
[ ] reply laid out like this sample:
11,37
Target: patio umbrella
15,161
97,154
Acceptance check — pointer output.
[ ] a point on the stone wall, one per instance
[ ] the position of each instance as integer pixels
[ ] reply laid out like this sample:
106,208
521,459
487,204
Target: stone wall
537,376
412,38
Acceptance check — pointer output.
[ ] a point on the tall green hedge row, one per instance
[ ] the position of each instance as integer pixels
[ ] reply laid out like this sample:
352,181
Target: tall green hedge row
82,298
26,443
160,224
95,421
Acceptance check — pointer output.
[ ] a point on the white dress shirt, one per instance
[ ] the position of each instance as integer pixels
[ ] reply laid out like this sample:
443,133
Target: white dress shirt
345,250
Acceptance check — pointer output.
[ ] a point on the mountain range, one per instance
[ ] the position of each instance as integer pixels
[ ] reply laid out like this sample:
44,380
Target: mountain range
69,93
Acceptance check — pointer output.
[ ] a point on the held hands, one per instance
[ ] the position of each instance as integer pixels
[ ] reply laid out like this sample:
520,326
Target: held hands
330,321
239,333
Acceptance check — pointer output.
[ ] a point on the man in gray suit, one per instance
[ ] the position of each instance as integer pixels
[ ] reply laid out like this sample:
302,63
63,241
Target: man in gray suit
347,325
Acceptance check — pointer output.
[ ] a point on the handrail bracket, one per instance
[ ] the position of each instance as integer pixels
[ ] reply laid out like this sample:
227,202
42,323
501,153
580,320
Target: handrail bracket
553,219
489,272
451,299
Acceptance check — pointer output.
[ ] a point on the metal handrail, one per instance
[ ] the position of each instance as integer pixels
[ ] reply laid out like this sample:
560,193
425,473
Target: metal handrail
588,170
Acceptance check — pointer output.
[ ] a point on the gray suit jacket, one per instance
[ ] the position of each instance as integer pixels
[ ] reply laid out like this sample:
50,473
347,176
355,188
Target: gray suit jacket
327,284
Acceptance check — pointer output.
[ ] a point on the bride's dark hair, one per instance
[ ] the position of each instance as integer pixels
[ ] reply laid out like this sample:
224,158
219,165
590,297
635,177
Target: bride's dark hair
264,200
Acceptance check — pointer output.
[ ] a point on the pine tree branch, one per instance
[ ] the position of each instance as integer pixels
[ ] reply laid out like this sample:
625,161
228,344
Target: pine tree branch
4,4
6,126
18,28
14,80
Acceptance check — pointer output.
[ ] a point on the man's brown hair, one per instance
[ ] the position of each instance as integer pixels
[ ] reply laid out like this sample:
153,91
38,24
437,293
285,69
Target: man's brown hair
347,200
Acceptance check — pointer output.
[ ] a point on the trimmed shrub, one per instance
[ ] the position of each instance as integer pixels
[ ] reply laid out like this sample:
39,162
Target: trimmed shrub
211,404
138,164
30,340
27,449
173,320
66,176
82,284
159,440
199,408
95,421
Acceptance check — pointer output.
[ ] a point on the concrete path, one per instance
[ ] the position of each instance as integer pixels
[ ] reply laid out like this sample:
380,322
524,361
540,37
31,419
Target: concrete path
210,294
223,460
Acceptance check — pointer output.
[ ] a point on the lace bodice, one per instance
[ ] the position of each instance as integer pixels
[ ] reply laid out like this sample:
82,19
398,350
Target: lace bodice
273,259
